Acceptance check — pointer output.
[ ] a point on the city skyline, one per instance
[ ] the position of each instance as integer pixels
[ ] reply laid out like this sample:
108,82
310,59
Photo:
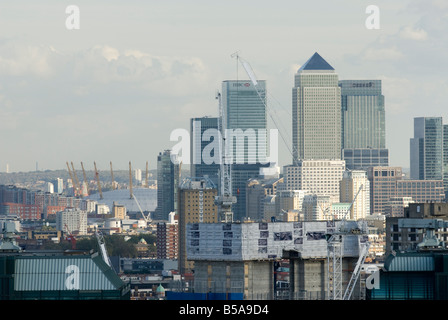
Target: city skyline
116,88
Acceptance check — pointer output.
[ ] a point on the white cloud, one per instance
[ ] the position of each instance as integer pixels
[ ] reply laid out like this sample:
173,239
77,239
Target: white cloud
413,34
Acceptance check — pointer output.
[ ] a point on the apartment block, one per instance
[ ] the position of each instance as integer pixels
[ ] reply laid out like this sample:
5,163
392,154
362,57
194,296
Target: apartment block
196,199
167,242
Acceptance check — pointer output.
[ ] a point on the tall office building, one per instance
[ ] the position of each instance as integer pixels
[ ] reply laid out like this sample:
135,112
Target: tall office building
316,111
58,185
356,184
363,115
167,184
244,109
445,159
426,149
245,120
201,138
363,124
196,205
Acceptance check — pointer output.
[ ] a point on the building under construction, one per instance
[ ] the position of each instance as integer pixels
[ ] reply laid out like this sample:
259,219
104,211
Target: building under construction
239,260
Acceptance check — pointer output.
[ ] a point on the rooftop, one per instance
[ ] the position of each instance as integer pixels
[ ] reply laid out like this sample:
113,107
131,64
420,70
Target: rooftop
316,62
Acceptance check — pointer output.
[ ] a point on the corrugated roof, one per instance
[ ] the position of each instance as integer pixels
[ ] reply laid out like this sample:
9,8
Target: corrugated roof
410,262
48,273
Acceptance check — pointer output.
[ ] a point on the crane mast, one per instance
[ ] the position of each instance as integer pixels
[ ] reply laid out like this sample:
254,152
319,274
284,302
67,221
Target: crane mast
85,178
335,255
76,179
71,178
112,175
102,245
97,175
146,176
224,200
130,181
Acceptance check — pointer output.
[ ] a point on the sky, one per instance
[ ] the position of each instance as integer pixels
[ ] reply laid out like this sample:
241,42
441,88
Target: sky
134,71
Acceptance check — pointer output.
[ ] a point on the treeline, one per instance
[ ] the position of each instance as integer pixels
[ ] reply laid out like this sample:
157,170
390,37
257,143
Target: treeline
116,245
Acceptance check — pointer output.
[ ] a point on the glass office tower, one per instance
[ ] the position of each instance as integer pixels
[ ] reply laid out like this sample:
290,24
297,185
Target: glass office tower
246,120
198,142
363,124
426,149
363,115
167,185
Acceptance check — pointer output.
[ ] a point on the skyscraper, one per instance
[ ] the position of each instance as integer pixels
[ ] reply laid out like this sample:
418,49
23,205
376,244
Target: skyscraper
316,111
167,184
363,124
445,159
199,128
426,149
244,109
363,115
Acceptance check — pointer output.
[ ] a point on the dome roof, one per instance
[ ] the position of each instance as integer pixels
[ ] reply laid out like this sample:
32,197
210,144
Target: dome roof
147,198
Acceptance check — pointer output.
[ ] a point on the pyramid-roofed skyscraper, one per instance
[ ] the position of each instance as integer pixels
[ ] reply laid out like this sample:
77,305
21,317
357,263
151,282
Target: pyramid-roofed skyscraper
316,109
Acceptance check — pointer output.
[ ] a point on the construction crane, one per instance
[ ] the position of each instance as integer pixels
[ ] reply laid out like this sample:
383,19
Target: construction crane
85,178
132,195
264,98
112,176
146,176
147,219
335,239
102,245
97,176
130,181
76,179
225,199
334,257
71,178
70,237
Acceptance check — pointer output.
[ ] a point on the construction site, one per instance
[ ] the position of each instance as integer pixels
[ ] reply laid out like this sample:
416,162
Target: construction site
239,259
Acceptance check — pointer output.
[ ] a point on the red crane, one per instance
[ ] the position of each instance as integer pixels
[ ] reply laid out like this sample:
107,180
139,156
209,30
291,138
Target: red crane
70,237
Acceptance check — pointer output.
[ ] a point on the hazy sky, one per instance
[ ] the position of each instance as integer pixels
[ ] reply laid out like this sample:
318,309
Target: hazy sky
116,88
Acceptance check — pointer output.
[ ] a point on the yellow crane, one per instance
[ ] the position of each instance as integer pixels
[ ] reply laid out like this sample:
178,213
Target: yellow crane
112,175
71,178
97,175
85,178
146,176
130,180
76,179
